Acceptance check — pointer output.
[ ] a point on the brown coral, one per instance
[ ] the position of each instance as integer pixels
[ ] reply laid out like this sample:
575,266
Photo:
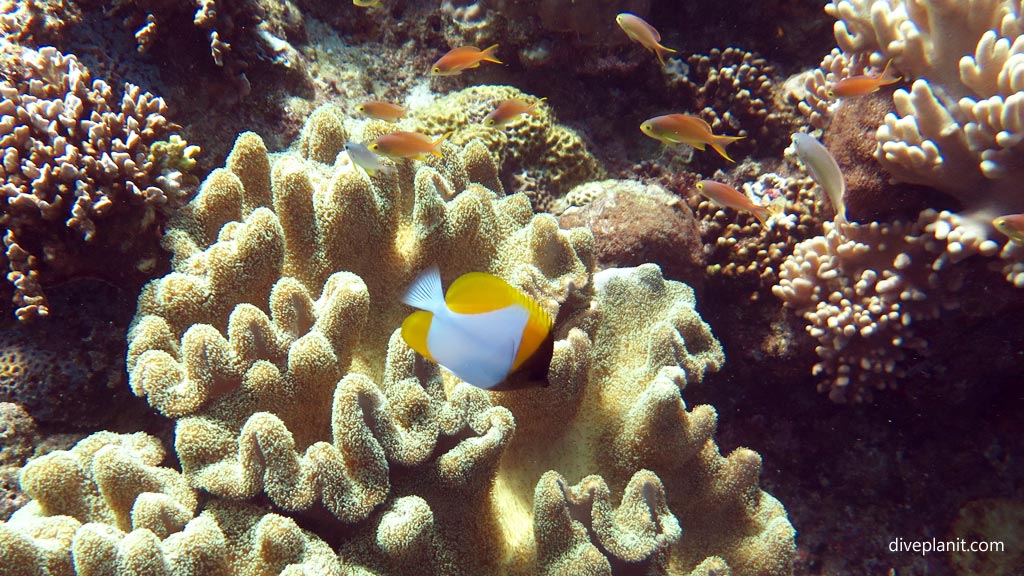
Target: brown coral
536,155
734,91
634,224
87,175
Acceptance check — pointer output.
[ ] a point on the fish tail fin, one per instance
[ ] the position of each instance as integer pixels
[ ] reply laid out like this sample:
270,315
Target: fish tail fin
534,108
720,142
659,50
488,54
425,292
762,214
436,145
884,79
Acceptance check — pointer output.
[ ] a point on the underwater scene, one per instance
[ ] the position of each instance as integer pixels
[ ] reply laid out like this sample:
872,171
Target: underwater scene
512,287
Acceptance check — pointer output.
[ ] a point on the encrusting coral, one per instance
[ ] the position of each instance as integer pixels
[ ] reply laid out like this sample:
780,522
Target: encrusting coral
274,344
85,173
542,157
633,223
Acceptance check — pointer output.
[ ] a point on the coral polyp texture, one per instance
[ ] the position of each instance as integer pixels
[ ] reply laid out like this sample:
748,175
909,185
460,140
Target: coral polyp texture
105,507
536,155
734,91
87,174
861,288
958,126
274,344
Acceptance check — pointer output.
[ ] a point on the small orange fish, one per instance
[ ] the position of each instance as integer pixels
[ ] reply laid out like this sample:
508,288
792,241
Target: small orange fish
728,197
407,145
862,85
642,33
674,129
463,58
509,110
382,110
1012,226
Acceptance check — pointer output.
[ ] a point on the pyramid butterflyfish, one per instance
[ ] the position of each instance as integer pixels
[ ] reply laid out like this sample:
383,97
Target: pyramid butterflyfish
481,330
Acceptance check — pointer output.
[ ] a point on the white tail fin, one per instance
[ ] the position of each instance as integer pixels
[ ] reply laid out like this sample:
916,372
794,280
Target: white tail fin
425,292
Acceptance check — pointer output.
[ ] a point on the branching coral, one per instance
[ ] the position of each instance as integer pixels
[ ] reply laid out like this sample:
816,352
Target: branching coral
86,174
238,31
543,158
37,22
958,128
861,287
739,248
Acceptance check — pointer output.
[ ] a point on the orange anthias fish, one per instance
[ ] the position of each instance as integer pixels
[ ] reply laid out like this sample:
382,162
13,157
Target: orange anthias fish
509,110
463,58
675,129
643,33
382,110
862,85
481,330
407,145
728,197
1012,226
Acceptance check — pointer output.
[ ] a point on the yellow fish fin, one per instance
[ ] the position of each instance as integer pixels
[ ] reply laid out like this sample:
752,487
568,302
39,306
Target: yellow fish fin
488,54
477,292
436,145
414,331
537,329
720,142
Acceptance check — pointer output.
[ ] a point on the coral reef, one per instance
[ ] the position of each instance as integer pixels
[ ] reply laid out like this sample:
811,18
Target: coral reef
274,345
106,507
87,174
988,521
37,22
861,288
738,247
70,374
18,437
238,31
957,128
633,223
734,91
529,27
543,159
